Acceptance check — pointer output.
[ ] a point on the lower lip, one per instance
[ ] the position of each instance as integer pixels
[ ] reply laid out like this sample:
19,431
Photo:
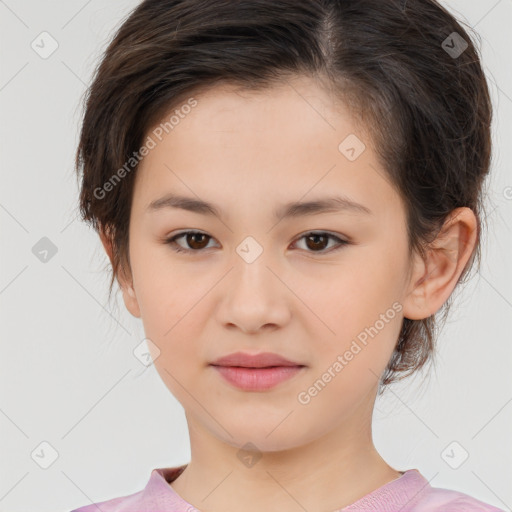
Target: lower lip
257,379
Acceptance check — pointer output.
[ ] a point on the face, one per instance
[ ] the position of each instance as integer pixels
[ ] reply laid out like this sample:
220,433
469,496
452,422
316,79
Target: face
324,289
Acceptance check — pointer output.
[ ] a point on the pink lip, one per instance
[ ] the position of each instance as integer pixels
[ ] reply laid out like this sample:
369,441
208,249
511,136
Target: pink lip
257,379
256,372
262,360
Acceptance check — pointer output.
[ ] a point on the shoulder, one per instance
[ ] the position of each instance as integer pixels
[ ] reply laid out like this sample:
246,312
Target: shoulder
119,504
156,495
435,499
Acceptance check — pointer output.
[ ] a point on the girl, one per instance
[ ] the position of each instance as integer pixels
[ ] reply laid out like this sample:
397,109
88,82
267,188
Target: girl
288,193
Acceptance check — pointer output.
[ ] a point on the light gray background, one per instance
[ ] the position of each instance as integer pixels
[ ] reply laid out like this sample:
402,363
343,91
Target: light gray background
68,374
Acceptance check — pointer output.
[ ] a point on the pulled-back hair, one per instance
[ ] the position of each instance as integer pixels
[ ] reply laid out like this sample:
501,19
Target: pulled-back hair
407,70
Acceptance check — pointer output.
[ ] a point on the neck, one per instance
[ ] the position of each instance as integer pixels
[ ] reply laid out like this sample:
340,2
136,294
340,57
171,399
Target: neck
326,474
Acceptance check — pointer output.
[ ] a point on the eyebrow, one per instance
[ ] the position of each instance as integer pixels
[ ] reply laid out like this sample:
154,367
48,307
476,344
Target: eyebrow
332,204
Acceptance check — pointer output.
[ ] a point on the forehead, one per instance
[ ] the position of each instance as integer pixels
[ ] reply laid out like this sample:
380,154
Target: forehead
229,106
282,142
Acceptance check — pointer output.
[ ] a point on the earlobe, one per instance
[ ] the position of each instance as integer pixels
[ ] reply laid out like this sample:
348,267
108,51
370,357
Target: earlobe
415,304
434,277
125,283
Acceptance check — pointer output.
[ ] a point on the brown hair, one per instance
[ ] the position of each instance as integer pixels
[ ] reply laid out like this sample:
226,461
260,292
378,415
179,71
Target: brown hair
418,87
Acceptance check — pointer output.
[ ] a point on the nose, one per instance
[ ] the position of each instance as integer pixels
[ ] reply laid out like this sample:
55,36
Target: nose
255,297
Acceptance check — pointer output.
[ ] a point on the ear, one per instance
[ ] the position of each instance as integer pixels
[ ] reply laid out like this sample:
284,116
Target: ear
434,278
125,282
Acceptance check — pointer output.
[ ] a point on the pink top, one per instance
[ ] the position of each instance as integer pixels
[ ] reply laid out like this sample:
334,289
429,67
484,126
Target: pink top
409,493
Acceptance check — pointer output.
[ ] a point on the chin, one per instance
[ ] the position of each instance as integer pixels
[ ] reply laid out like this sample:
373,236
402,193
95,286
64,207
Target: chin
262,437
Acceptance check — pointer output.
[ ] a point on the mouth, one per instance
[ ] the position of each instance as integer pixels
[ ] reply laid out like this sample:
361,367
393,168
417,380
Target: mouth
257,372
262,360
257,379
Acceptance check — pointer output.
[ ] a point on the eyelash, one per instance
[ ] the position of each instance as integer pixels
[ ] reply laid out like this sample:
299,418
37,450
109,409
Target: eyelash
175,247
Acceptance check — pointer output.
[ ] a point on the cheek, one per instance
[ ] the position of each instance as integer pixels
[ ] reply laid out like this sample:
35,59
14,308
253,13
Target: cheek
360,317
160,288
352,297
178,360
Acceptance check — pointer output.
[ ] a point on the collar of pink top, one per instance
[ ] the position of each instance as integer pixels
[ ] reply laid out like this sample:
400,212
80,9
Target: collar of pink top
411,492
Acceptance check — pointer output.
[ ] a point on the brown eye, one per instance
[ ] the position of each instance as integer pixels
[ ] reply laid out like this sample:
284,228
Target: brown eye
195,241
317,242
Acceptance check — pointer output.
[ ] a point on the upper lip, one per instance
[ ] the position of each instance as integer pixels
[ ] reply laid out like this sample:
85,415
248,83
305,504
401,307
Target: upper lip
262,360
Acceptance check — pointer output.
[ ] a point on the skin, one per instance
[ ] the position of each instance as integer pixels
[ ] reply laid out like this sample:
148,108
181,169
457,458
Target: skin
248,153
